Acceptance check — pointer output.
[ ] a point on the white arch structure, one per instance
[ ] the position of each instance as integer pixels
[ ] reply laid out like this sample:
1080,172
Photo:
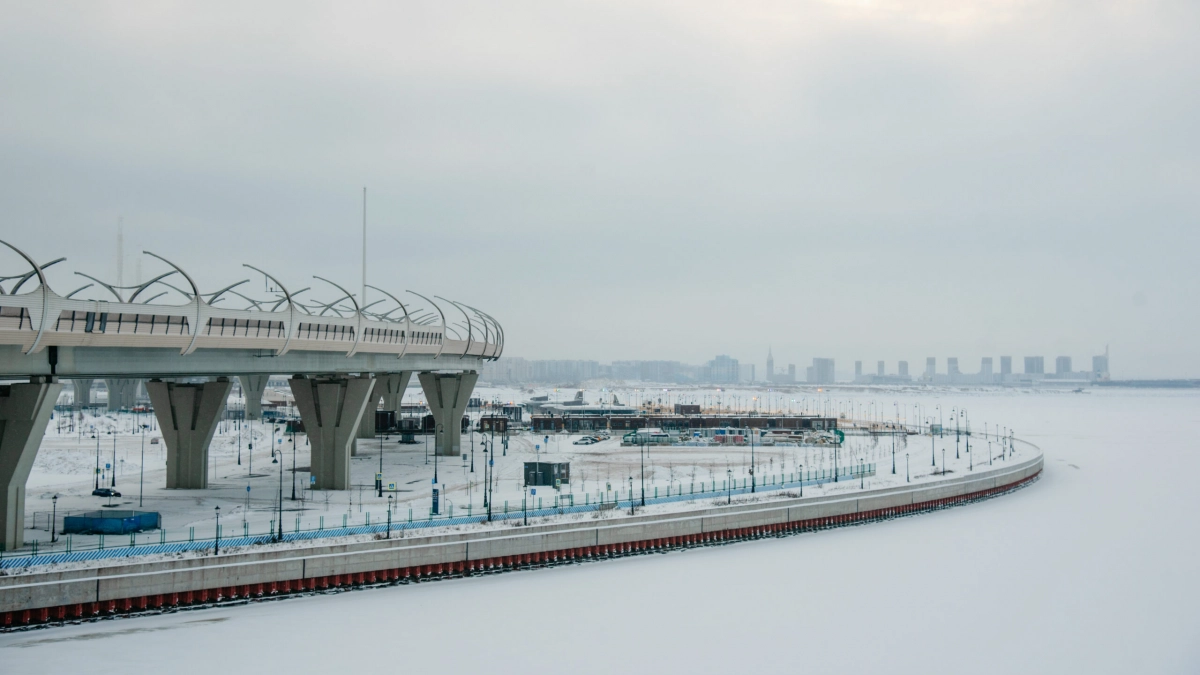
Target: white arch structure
321,337
332,349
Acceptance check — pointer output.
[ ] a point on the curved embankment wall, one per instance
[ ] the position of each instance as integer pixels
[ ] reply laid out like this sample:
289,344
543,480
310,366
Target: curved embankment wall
131,586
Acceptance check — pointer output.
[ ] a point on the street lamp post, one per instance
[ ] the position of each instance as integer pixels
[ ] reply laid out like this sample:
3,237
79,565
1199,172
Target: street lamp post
753,480
906,474
142,469
53,519
957,435
894,452
389,525
97,437
294,463
835,459
436,451
114,464
279,536
932,450
729,486
643,458
217,538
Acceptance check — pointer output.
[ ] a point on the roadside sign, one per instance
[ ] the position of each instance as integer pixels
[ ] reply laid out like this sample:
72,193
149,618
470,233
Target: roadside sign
435,501
312,480
247,488
392,487
378,476
533,491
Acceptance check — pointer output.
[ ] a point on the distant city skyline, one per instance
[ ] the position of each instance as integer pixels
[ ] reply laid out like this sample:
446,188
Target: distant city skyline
724,369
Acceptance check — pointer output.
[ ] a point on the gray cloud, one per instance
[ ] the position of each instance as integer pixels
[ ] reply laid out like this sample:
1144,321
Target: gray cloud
644,180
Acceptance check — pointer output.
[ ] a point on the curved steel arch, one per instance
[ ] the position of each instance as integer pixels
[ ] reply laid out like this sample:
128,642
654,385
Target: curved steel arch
291,308
199,302
357,312
154,281
111,289
45,296
407,321
442,342
486,336
500,333
29,276
470,333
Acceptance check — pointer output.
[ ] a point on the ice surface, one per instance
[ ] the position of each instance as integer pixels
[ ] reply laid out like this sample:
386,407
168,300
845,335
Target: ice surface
1091,569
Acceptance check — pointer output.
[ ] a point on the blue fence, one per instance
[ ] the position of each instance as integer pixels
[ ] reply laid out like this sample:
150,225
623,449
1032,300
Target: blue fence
849,473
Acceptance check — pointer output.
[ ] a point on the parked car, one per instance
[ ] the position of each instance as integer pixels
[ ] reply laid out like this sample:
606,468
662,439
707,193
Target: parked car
586,440
106,492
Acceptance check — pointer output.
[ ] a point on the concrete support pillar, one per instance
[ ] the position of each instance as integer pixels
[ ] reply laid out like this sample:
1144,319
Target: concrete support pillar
187,417
366,426
25,410
393,386
253,387
331,409
122,393
83,393
447,395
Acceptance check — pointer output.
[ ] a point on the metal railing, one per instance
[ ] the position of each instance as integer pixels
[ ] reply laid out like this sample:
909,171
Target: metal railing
126,545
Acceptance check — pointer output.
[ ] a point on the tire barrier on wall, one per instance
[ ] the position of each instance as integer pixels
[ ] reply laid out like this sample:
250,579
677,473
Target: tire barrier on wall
216,595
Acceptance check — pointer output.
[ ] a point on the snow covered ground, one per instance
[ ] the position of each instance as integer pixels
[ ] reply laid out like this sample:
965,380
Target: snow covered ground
67,459
1091,569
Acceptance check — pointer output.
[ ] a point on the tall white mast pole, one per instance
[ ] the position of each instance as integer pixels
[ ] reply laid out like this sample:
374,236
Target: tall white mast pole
364,252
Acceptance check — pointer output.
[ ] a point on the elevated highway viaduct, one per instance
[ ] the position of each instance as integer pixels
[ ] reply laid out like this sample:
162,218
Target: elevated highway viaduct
344,353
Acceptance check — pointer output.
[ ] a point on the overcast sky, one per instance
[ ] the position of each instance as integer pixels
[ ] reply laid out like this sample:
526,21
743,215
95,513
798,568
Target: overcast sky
862,180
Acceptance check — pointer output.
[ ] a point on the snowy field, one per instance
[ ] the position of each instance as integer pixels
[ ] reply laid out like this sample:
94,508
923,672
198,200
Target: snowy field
68,456
1091,569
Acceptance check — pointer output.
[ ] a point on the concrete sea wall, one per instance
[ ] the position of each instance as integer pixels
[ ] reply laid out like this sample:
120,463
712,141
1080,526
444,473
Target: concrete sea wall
130,586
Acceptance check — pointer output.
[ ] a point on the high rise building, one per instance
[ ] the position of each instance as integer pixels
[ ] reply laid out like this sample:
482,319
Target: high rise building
1006,365
879,370
903,367
1100,366
930,367
985,367
1035,365
746,373
952,366
723,370
791,373
1062,365
821,371
770,366
857,370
